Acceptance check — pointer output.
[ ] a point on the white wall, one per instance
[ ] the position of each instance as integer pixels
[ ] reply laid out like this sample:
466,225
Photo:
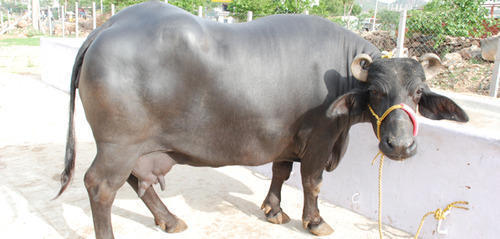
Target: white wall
57,59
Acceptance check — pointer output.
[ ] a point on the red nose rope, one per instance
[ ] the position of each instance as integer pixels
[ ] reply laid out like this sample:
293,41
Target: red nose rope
402,106
439,214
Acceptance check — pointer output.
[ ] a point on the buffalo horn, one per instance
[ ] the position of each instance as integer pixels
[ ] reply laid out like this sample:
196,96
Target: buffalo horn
432,65
358,70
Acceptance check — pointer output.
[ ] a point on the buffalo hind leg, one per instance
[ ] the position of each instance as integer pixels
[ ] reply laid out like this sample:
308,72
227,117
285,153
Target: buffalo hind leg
311,183
271,205
163,218
109,171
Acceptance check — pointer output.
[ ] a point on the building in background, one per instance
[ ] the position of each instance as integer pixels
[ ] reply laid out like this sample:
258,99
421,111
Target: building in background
494,8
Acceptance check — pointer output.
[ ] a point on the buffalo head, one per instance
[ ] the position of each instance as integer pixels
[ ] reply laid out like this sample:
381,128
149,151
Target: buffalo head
398,82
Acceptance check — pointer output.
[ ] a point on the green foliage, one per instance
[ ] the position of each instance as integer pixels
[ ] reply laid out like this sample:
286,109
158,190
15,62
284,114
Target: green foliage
31,32
14,7
441,18
261,8
388,20
328,8
335,8
291,6
119,4
35,41
337,20
258,7
356,10
189,5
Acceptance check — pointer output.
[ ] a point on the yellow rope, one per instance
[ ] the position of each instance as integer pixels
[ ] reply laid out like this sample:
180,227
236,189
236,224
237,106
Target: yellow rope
379,190
379,122
439,214
380,119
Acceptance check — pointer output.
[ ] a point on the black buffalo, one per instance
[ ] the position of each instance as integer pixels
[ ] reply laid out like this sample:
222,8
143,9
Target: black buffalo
161,87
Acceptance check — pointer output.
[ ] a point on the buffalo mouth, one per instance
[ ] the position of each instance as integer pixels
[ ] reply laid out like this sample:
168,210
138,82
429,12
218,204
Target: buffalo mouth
398,151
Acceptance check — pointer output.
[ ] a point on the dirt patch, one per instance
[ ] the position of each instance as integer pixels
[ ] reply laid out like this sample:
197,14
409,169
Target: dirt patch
465,77
383,40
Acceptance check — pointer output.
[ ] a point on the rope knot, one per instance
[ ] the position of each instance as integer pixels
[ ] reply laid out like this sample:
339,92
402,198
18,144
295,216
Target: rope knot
439,214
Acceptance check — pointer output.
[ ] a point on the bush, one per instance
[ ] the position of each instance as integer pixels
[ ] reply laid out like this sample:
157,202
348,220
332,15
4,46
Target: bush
388,20
328,8
441,18
259,8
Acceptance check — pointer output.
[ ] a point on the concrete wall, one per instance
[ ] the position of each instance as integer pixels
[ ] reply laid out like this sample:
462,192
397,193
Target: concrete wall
57,59
454,162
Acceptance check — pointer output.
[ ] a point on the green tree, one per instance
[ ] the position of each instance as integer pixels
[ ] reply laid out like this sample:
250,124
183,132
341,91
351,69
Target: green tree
120,3
259,8
441,18
327,8
388,20
189,5
356,10
291,6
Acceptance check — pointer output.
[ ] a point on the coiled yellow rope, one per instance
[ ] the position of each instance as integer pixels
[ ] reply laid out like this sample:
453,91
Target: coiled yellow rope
439,214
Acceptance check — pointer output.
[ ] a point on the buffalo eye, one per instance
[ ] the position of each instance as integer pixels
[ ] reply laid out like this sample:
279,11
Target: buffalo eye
375,93
418,94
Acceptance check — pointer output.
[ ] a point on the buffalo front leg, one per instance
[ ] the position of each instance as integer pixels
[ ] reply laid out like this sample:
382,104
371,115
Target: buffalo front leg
163,218
271,205
311,182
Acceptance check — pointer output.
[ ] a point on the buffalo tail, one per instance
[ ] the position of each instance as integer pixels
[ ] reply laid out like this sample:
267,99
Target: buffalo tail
69,158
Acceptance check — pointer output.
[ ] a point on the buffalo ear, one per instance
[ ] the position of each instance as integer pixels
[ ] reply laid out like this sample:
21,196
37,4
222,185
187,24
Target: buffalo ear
349,104
435,106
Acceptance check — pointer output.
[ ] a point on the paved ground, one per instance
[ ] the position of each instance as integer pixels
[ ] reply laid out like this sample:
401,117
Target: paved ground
215,203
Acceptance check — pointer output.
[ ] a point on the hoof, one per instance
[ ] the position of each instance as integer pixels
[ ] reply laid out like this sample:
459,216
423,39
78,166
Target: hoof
278,218
321,229
178,226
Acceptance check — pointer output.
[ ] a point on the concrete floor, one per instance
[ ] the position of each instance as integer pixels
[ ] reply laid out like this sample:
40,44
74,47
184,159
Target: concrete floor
215,203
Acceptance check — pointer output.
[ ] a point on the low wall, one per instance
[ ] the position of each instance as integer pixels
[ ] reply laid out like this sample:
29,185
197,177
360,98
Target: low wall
57,59
455,162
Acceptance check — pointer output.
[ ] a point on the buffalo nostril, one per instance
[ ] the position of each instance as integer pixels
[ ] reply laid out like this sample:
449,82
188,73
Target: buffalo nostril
389,143
412,146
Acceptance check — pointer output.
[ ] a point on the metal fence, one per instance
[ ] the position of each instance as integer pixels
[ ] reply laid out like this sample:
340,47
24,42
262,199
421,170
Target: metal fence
468,62
468,67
